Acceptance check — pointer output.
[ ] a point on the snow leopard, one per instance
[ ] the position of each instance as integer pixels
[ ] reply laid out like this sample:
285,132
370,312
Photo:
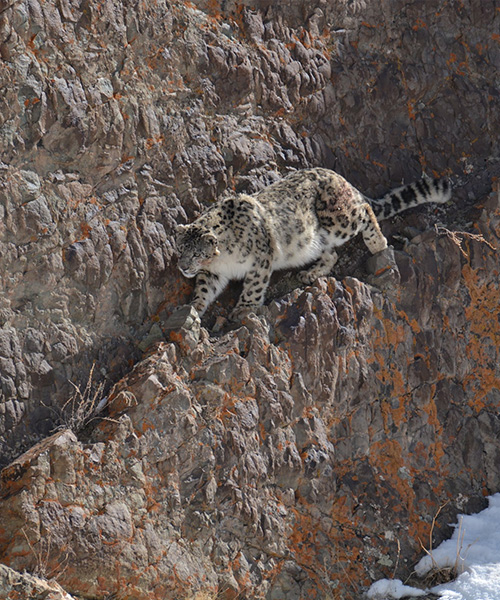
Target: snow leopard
297,221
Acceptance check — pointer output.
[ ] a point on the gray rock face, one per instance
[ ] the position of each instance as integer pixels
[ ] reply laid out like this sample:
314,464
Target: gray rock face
294,456
29,586
118,121
268,460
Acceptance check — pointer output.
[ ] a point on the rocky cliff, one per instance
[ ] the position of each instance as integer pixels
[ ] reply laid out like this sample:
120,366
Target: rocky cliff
299,454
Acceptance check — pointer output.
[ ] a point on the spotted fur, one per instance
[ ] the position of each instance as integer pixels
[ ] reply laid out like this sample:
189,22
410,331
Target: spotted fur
294,222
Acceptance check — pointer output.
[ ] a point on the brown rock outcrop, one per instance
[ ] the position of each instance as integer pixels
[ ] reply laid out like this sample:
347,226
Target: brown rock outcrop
119,120
289,457
293,455
23,585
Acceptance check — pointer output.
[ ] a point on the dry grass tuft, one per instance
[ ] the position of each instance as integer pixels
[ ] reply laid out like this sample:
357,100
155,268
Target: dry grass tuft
83,405
443,574
46,553
457,237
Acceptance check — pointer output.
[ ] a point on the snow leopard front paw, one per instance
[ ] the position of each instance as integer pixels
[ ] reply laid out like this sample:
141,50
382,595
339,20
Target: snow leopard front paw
240,312
307,277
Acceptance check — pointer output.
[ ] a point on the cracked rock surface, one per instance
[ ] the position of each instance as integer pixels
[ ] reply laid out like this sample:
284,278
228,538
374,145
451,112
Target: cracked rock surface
117,121
290,455
296,455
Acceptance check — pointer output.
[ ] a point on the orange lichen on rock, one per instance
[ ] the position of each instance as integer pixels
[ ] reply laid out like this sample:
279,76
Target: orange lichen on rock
483,347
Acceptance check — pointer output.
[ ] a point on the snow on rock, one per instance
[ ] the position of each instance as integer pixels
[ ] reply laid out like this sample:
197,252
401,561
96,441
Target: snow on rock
476,541
392,588
474,549
479,583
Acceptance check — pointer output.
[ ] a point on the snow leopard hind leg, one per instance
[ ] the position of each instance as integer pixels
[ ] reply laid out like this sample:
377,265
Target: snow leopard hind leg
340,231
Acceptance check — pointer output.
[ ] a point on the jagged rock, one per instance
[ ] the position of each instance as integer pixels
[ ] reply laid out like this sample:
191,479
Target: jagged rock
267,460
112,135
288,454
24,585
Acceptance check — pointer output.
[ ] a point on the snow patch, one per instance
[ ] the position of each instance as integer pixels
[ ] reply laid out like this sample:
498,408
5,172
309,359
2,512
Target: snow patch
479,583
473,549
392,588
475,541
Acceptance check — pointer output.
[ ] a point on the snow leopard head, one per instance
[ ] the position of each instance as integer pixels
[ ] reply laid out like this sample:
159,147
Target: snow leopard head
196,248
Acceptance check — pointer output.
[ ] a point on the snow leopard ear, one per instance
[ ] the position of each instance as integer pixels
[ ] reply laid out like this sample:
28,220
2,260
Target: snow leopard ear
180,230
211,238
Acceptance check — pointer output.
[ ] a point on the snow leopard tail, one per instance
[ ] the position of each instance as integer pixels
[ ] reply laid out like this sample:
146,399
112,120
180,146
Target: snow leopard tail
407,196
